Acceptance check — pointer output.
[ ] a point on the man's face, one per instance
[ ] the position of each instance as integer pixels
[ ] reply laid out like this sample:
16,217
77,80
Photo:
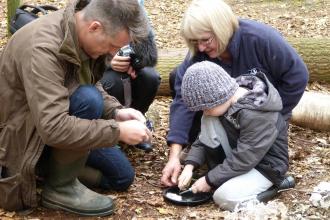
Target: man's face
95,42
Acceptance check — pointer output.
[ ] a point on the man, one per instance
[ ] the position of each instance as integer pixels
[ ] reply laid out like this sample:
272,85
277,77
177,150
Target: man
52,104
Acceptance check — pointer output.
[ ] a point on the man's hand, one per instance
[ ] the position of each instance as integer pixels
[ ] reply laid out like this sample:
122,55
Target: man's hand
129,114
173,167
201,186
185,177
133,132
122,64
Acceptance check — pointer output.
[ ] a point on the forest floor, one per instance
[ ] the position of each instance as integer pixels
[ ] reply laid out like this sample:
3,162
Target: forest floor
309,150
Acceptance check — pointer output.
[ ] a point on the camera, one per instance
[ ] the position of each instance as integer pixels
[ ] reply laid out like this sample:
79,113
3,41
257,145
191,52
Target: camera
128,51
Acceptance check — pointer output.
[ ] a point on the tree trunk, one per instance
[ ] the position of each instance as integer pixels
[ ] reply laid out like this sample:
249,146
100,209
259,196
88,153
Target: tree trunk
11,8
315,52
167,60
313,111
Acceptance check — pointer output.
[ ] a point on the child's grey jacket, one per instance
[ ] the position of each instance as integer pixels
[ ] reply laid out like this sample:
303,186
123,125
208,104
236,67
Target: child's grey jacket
256,132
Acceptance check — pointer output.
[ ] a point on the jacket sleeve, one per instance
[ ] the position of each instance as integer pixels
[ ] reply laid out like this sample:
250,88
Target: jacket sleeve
48,99
181,117
257,134
196,154
110,103
287,67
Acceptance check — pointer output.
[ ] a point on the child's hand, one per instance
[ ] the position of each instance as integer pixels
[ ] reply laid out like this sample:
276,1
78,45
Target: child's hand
185,177
201,186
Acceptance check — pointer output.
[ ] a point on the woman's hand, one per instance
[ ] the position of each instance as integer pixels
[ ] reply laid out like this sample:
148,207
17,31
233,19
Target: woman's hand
185,177
201,186
172,168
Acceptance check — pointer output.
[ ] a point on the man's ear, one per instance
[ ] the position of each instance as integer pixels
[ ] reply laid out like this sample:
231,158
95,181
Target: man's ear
95,26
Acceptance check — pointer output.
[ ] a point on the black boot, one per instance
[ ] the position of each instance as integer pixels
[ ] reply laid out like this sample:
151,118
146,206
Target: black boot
146,146
270,193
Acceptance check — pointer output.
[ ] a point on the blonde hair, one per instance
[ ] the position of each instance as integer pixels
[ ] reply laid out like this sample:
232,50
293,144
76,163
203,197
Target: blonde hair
213,16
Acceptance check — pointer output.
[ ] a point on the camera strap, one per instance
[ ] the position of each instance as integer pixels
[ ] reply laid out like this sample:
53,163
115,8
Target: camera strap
127,90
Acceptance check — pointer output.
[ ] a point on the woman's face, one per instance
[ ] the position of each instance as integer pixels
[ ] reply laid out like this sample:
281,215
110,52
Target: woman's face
207,43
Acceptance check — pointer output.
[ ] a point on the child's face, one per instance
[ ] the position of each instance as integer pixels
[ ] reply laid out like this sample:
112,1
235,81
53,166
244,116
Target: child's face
218,110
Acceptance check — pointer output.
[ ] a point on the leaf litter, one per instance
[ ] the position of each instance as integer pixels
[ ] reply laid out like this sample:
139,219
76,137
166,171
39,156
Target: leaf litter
309,150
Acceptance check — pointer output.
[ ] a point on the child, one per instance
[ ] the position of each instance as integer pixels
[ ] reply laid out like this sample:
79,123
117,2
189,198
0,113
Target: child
243,136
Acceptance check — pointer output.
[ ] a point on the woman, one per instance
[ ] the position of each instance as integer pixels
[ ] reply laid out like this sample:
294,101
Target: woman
214,33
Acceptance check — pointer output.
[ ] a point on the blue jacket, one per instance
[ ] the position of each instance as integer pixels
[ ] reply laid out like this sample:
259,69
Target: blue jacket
253,46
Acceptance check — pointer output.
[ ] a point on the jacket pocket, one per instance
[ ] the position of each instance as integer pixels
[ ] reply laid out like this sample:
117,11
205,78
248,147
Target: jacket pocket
2,141
11,198
2,125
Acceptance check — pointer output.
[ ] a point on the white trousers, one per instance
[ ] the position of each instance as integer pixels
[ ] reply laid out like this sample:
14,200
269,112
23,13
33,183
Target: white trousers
241,188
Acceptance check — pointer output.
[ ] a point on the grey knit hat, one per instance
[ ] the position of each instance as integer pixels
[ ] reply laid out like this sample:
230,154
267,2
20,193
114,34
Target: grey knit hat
206,85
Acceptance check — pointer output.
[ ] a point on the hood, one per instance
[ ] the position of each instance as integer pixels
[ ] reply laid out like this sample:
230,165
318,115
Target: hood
262,94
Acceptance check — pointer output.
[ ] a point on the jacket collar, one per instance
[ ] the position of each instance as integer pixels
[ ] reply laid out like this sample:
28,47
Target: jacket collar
69,49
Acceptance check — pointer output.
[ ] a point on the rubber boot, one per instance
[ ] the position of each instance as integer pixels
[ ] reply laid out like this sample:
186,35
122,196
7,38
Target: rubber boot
90,177
63,190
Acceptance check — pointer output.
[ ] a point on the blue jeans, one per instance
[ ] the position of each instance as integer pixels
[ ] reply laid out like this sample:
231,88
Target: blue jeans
118,174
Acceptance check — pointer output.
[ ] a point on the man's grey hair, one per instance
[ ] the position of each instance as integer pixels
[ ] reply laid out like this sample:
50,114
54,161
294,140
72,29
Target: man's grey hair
117,15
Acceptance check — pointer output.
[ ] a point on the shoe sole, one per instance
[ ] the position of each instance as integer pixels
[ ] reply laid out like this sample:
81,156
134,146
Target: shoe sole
56,206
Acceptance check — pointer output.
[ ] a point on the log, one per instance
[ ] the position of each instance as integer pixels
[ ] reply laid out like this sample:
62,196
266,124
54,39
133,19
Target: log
167,60
312,111
315,53
11,8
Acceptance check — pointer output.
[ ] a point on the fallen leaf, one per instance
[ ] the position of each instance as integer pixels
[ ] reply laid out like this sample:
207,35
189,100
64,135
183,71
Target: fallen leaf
138,211
164,211
10,214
